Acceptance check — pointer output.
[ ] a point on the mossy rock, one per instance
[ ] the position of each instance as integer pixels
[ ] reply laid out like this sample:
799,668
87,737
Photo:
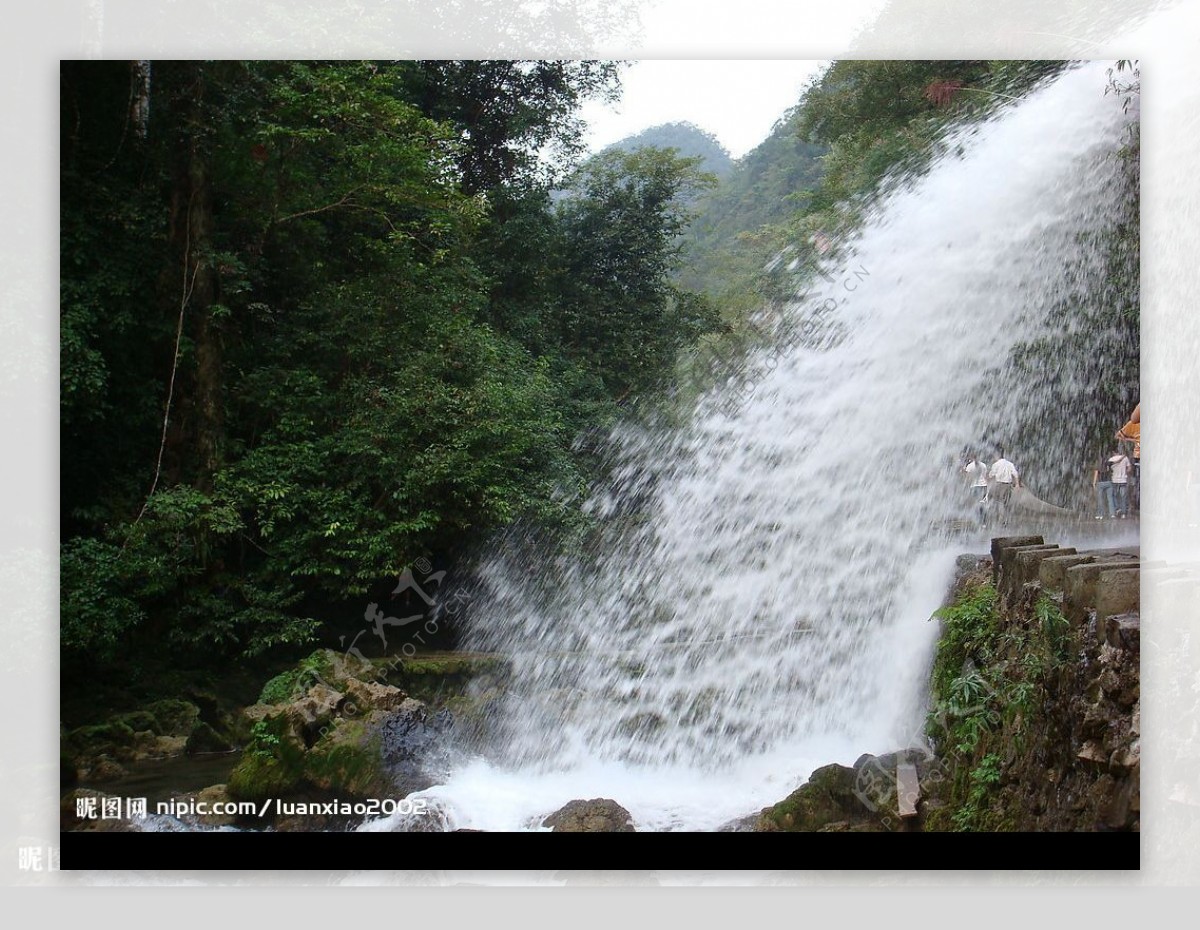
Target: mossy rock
209,705
149,746
100,738
133,735
205,739
174,717
272,764
69,819
139,721
258,777
212,796
828,797
280,689
348,760
437,667
439,677
323,666
476,716
105,768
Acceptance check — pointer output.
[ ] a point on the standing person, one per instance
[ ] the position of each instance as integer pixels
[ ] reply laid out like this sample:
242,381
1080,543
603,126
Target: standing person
1132,432
977,470
1103,489
1004,477
1120,467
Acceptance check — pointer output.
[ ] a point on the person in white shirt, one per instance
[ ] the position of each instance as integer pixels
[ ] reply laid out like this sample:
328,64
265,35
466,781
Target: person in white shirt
977,470
1120,467
1004,477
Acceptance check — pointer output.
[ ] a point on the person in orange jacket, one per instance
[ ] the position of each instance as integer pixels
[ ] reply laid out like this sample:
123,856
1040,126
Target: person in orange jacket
1132,432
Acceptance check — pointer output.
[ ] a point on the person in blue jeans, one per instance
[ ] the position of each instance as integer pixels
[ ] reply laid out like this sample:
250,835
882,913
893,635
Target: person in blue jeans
1102,486
1120,468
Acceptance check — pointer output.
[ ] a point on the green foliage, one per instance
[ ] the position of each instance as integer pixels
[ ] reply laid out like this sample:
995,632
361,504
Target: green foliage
991,677
969,683
967,690
279,689
1056,628
736,230
1125,81
886,119
291,682
388,337
508,113
264,740
112,233
620,242
970,629
861,128
99,597
973,815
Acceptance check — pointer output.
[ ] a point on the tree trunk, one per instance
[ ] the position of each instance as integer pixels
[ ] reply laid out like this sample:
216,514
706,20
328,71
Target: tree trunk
139,110
191,290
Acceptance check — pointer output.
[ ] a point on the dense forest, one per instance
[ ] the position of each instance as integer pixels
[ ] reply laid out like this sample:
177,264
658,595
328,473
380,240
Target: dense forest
320,320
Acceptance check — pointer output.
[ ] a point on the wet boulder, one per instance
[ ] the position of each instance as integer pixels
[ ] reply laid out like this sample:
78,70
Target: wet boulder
599,815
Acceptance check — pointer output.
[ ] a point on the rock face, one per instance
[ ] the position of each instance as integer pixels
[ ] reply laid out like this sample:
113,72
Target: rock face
1080,765
344,737
599,815
1057,699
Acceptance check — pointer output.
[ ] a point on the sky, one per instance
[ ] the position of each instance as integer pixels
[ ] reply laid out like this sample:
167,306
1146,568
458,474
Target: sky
737,101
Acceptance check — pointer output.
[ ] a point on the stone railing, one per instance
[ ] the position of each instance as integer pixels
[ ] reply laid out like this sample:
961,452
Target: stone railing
1106,581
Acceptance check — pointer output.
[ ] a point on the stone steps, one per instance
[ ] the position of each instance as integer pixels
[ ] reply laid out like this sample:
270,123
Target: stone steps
1106,581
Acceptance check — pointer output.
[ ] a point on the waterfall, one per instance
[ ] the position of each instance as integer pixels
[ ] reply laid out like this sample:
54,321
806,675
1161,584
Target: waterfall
760,602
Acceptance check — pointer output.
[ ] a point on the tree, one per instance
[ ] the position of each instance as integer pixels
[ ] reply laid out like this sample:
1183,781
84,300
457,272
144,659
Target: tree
884,118
509,113
621,228
321,319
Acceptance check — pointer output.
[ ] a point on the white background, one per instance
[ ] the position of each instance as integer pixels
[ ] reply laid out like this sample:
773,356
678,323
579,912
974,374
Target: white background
1164,35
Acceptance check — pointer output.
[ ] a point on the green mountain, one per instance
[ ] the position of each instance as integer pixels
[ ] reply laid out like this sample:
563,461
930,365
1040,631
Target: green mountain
727,240
768,186
690,140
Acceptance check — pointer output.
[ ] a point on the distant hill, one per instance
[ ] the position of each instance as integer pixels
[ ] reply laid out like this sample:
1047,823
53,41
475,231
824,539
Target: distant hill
768,186
689,139
725,244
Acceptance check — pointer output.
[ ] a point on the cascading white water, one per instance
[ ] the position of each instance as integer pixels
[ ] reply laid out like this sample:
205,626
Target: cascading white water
761,606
